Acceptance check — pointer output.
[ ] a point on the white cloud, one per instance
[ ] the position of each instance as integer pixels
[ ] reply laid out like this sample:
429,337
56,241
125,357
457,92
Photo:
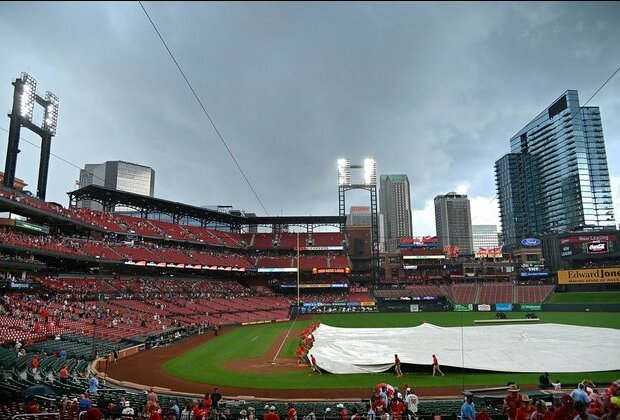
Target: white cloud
424,220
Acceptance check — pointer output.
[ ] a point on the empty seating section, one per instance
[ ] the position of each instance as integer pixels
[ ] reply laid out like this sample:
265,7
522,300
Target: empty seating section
275,262
289,240
495,292
100,250
306,262
360,297
104,220
203,235
205,258
229,239
425,290
173,230
76,284
327,239
174,256
339,261
263,240
138,253
463,293
533,294
142,227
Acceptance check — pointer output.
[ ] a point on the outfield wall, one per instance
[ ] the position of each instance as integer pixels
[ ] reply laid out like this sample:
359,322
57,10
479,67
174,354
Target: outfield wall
408,306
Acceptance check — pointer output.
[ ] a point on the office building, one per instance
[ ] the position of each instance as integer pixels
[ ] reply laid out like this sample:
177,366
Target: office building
395,206
484,236
555,178
453,222
117,175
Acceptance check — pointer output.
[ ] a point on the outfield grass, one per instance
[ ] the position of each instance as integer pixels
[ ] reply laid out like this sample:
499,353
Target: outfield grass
206,363
586,297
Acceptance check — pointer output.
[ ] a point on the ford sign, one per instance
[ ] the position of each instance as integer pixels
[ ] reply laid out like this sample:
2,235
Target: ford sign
530,242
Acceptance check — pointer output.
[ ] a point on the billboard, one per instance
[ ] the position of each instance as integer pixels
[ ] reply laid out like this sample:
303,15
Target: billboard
588,245
492,252
423,241
591,275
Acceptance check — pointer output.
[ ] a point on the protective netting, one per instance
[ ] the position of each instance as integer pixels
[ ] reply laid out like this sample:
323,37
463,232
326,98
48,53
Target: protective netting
505,348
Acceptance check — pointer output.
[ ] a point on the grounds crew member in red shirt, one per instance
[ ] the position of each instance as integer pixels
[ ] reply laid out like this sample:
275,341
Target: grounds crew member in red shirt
436,366
399,372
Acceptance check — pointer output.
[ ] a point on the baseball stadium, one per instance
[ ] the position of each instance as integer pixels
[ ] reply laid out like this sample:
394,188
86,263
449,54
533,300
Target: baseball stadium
122,304
179,309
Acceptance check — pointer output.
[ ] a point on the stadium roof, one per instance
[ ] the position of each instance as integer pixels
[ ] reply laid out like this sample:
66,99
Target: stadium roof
109,198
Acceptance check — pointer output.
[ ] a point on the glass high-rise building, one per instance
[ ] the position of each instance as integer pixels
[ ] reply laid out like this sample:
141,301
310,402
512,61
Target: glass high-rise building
556,177
395,206
484,236
118,175
453,222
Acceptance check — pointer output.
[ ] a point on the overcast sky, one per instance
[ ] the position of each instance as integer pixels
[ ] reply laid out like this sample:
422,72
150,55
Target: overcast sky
434,91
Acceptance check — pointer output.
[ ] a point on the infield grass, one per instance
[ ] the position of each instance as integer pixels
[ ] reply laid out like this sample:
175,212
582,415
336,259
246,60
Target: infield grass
208,362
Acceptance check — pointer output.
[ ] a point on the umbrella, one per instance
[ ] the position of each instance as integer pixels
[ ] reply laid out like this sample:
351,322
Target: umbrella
37,390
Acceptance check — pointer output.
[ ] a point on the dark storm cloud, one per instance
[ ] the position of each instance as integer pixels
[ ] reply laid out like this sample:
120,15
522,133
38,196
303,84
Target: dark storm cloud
431,90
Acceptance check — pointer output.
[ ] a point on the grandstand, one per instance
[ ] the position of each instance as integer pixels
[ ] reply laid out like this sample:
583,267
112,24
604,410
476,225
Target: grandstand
92,282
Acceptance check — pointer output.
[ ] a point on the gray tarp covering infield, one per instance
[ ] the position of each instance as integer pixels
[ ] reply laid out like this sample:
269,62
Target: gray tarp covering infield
505,348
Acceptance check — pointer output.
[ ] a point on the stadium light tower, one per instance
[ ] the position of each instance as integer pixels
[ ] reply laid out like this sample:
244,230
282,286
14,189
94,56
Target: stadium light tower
369,167
24,99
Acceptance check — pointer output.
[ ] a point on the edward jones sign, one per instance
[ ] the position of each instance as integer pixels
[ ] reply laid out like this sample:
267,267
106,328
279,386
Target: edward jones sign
598,275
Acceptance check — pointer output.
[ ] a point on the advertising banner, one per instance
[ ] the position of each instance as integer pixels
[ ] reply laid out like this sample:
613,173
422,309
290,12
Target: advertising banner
534,274
423,257
503,307
492,252
32,226
463,307
414,308
593,275
526,307
484,308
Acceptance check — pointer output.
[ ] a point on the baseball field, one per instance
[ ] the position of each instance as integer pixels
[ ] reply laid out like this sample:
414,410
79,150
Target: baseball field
259,360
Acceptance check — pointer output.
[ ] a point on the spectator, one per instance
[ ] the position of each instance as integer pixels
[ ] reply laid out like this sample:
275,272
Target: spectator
541,413
566,410
63,375
579,394
525,411
128,412
512,402
483,414
93,385
468,410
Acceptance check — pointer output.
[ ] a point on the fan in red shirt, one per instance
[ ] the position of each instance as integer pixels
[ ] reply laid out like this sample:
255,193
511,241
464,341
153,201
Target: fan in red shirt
567,411
483,414
397,408
525,411
512,402
292,412
272,415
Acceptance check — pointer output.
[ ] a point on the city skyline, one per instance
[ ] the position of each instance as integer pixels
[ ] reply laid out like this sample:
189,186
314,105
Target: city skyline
431,91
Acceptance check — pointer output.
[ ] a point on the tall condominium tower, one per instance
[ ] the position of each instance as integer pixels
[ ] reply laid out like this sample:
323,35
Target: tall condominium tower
453,222
555,177
395,206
